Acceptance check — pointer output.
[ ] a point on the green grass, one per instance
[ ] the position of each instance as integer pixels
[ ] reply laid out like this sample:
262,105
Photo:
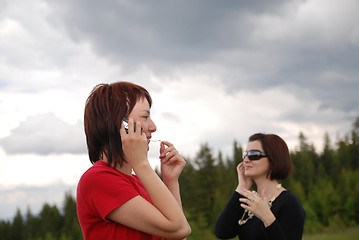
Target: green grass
348,234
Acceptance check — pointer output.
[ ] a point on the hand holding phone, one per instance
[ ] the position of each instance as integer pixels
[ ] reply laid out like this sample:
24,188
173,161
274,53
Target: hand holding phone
125,124
134,144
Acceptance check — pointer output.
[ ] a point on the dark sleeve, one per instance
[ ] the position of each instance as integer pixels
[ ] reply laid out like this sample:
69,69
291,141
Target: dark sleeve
227,222
289,221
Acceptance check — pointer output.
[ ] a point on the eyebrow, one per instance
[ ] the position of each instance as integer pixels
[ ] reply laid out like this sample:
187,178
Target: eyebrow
253,150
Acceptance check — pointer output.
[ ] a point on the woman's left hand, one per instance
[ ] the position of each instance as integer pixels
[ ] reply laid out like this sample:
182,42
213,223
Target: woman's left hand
172,163
259,207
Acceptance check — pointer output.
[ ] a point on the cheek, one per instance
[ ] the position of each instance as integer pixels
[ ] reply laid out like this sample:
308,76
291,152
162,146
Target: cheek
262,167
267,166
144,126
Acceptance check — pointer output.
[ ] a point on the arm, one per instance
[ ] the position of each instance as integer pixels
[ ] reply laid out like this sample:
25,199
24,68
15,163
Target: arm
290,220
226,225
227,222
172,164
164,217
244,183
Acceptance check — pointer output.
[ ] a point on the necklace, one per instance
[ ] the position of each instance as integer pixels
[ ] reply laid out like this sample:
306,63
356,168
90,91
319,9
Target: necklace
250,214
243,221
272,197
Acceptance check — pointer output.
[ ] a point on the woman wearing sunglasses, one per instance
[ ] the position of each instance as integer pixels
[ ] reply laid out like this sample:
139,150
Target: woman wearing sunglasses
272,212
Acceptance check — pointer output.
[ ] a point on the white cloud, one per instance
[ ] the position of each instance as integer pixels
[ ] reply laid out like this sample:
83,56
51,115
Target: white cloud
45,134
37,170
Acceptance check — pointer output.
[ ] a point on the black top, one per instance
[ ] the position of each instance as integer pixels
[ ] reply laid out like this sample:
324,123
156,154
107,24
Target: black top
288,225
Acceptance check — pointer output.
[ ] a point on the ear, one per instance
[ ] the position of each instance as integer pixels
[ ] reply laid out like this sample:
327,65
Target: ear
269,174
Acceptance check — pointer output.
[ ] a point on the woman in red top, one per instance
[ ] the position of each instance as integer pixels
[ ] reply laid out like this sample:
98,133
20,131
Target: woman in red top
112,202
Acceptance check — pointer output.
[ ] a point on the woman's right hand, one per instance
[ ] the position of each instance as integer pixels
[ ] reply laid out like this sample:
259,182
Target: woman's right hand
244,182
134,144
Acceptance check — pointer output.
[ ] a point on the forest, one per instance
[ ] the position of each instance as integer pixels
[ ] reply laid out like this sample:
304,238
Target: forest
326,182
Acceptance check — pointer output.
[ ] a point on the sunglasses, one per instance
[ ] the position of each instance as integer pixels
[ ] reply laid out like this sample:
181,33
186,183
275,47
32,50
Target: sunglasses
254,155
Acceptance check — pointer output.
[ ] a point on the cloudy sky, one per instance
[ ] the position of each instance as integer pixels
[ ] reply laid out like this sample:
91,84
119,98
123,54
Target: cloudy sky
218,71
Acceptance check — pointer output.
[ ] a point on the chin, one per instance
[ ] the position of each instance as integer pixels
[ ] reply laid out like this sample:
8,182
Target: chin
248,174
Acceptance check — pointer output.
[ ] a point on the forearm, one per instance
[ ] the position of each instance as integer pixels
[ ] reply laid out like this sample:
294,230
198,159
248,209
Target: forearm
286,228
289,221
174,187
162,198
226,225
275,231
241,188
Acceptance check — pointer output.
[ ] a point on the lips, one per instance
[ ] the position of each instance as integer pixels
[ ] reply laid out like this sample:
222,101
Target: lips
248,167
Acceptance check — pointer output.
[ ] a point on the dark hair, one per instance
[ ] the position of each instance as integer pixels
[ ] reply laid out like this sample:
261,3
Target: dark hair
280,164
105,108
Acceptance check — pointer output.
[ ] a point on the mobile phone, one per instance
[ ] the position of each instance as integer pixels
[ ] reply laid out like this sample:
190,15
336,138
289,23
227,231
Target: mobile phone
125,124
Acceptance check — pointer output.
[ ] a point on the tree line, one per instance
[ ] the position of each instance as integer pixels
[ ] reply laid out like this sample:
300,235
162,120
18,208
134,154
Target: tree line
50,224
326,183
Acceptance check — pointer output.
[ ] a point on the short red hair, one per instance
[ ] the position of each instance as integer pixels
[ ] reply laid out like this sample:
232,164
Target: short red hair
105,109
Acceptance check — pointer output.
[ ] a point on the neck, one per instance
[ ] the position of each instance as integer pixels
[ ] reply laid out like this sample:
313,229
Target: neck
126,168
266,187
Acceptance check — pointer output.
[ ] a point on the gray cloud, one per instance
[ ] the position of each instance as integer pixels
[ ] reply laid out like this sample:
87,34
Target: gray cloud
256,44
176,31
45,134
302,48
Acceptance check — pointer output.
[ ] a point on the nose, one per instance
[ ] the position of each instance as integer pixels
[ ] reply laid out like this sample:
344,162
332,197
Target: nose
246,159
152,126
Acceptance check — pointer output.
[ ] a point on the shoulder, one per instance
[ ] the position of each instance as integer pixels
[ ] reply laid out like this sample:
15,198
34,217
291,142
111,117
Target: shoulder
104,182
100,174
290,202
289,196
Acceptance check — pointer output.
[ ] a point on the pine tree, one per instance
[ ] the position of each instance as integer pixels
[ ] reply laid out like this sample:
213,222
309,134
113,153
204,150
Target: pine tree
329,161
71,227
305,163
18,227
188,188
5,230
51,221
207,184
354,148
